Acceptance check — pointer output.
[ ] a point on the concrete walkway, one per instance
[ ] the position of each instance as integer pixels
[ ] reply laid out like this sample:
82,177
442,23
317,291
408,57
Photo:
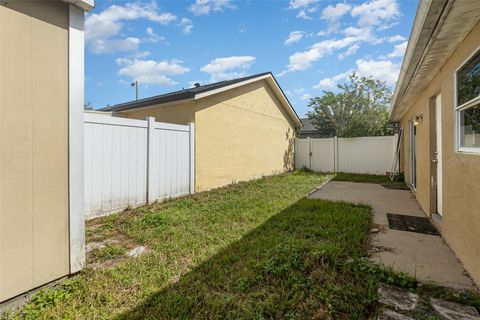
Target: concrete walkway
426,257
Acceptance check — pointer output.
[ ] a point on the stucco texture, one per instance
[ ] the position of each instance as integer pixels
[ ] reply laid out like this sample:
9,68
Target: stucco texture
33,145
240,134
178,113
461,172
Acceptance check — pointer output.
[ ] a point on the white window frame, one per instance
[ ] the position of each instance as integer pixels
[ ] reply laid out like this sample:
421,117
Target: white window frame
462,107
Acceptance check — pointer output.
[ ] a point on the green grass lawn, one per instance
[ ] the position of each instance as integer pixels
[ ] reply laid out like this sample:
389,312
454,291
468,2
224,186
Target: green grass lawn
367,178
253,250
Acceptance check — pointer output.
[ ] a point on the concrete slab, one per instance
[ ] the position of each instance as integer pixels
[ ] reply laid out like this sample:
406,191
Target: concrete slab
398,298
426,257
447,310
392,315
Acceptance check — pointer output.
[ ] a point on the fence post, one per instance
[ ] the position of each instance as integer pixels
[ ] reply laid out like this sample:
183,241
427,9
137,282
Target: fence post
191,125
295,153
309,153
150,160
335,154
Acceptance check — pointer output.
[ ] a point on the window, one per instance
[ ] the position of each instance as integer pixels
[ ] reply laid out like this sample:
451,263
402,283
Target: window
467,109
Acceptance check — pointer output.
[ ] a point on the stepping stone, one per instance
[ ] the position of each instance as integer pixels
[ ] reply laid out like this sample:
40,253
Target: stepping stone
447,310
136,252
398,298
392,315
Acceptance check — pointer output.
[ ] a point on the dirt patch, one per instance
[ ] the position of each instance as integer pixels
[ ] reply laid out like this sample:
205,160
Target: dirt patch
107,247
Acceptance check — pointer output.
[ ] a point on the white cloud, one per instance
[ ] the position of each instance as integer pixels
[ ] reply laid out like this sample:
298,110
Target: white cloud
334,13
303,15
152,36
298,4
107,23
362,34
150,71
396,38
305,7
303,60
299,93
100,46
187,25
350,51
204,7
330,83
383,70
376,12
306,96
102,30
294,36
399,50
228,67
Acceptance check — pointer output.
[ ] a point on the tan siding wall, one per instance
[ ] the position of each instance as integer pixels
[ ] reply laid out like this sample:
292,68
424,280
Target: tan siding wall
461,172
241,134
180,113
33,145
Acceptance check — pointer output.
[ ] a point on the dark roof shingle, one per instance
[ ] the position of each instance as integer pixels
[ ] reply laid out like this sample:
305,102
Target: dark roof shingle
178,95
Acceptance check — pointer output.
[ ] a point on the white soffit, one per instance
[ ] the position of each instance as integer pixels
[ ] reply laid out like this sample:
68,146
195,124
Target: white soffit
437,32
85,5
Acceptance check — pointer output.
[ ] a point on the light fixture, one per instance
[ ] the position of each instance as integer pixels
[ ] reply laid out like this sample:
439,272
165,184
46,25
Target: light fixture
418,119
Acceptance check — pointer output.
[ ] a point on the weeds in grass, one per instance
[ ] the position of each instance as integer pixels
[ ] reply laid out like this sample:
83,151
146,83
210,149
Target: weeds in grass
106,253
248,251
369,178
45,299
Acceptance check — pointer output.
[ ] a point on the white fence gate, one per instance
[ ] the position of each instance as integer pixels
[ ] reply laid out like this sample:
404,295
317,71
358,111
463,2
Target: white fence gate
131,162
373,155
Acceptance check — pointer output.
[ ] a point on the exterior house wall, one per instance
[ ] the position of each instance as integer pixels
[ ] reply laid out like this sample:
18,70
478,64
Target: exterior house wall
34,237
178,113
461,172
241,134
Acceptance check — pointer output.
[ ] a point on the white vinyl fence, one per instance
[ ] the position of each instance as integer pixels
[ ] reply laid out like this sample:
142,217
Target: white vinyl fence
372,155
130,162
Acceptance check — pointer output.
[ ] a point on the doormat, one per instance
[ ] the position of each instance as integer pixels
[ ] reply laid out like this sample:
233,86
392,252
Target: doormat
411,223
395,186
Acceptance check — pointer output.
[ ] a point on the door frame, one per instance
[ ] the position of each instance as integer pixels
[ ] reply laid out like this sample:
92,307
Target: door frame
436,156
412,158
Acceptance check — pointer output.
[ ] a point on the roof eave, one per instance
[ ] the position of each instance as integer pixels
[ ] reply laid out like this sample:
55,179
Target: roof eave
419,34
192,95
149,102
439,28
272,82
85,5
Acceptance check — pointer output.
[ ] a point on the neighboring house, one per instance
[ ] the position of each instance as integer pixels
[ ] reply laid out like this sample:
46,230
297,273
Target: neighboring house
437,103
308,130
41,143
244,128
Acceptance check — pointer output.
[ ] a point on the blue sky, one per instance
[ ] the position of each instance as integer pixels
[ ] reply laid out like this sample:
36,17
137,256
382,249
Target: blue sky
309,45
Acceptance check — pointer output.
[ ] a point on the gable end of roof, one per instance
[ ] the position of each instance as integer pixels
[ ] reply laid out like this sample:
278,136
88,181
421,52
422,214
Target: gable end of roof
207,90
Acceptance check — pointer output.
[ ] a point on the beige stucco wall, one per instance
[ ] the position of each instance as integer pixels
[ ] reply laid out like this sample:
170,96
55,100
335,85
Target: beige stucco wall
179,113
461,172
33,145
241,134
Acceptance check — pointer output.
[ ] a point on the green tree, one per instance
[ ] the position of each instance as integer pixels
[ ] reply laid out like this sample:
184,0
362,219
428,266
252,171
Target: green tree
359,108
